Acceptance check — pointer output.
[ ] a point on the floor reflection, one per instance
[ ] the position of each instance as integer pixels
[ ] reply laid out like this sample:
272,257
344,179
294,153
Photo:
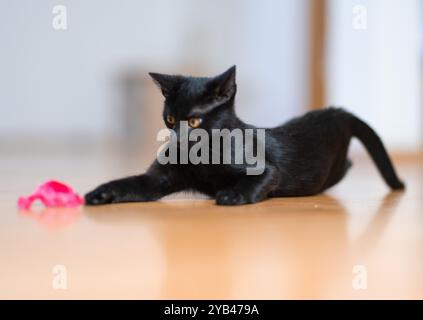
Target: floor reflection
53,218
374,231
283,248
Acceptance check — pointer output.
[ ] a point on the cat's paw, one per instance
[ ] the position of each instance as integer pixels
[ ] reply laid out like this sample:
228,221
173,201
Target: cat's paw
101,195
230,198
397,185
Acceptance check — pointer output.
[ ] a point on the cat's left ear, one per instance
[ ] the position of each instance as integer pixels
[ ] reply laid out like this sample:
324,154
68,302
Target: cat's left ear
167,83
223,86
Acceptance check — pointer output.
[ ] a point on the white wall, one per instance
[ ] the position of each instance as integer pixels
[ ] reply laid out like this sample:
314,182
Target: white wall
62,83
375,72
274,60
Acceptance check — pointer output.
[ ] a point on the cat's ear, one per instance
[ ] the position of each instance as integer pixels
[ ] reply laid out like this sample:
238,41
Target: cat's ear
223,86
167,83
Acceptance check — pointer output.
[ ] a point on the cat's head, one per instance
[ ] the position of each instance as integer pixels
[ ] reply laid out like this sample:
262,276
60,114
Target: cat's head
200,101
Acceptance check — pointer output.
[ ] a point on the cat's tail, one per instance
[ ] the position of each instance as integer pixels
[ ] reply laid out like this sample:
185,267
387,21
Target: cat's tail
377,151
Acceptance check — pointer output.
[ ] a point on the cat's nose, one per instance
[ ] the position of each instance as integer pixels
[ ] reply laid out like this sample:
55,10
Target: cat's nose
181,131
177,134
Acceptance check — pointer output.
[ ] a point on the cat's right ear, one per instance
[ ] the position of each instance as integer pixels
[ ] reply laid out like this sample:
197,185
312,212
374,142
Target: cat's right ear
223,86
167,83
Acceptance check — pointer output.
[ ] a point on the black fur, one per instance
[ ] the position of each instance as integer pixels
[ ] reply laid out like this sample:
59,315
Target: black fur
305,156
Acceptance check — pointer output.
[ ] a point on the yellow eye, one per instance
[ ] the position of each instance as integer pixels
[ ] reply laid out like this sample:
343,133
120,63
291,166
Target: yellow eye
170,119
194,122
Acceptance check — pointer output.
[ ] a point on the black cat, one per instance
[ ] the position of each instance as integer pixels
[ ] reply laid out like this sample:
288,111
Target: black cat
303,157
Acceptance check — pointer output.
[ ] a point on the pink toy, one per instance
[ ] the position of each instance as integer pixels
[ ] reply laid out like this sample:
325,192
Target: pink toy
52,194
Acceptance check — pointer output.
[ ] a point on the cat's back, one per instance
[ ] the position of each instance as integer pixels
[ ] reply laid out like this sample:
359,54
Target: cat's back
313,135
308,146
322,119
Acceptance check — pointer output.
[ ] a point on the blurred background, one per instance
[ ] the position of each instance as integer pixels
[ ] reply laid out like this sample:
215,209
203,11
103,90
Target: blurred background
85,88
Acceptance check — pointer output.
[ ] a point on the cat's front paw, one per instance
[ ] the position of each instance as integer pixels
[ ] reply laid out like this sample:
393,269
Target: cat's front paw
101,195
230,198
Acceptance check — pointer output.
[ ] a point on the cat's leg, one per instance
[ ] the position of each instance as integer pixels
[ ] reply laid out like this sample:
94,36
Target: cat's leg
250,188
157,182
338,174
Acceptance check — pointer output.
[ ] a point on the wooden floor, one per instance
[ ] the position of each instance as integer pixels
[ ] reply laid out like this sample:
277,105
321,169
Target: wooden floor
356,241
